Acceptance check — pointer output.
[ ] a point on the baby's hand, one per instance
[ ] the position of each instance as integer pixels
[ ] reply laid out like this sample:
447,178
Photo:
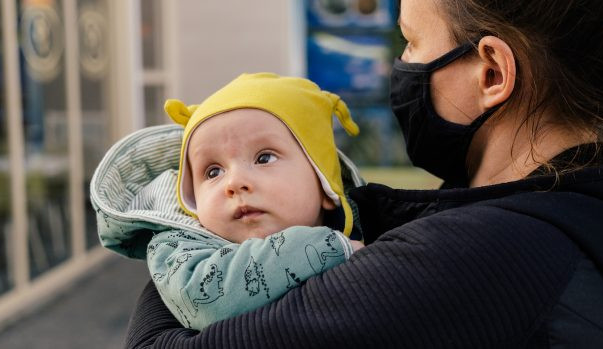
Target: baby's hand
356,245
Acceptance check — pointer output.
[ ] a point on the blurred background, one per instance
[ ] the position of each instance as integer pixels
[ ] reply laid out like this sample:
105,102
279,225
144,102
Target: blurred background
77,75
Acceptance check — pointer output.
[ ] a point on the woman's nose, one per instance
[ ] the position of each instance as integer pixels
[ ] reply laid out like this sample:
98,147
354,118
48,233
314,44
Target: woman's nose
238,182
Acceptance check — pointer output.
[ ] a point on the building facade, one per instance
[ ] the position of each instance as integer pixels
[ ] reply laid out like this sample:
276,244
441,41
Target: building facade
76,76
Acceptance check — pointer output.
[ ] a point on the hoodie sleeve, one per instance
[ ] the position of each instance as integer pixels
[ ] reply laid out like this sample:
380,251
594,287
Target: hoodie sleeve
203,283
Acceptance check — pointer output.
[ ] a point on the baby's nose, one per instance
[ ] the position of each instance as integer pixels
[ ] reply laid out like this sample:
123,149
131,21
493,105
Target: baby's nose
238,182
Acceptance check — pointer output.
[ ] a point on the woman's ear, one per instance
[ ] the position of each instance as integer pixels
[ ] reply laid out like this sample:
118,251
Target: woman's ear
497,75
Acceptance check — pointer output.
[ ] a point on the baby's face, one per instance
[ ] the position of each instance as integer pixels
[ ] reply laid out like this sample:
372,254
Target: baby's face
251,177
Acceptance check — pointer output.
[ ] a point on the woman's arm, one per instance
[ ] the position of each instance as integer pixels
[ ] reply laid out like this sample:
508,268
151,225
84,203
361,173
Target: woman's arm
149,319
484,279
203,283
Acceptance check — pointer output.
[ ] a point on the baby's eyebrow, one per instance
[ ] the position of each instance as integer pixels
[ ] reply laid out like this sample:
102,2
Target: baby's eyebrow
267,139
270,137
195,151
197,155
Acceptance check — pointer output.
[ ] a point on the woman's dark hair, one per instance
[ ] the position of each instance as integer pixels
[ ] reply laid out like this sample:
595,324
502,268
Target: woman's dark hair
558,48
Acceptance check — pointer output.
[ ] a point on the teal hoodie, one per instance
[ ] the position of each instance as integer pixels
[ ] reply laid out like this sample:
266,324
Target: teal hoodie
201,277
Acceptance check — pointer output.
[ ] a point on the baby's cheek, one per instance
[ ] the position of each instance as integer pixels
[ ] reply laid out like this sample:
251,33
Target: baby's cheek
208,218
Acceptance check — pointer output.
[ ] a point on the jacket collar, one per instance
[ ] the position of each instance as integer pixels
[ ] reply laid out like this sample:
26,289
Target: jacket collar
382,208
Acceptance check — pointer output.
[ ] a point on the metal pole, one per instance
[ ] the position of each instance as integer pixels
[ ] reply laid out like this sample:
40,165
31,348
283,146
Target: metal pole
74,122
18,256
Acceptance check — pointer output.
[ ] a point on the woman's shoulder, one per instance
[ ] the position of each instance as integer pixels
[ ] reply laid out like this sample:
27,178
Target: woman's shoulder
530,227
489,223
516,216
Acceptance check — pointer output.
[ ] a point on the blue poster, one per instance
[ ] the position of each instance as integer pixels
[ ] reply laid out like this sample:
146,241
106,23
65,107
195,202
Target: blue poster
353,66
351,13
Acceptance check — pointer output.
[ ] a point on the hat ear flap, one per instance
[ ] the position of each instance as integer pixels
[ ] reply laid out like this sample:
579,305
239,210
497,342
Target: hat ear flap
343,115
178,111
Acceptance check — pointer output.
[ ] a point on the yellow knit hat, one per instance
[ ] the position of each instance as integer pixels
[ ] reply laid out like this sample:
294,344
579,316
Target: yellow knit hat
299,103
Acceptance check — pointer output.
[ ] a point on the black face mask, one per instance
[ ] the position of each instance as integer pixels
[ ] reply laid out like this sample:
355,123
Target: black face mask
432,143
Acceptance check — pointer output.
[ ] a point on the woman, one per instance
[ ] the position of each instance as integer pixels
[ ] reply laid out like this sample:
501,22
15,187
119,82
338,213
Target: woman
501,99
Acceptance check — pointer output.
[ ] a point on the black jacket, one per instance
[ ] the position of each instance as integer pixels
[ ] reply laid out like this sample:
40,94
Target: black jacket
511,265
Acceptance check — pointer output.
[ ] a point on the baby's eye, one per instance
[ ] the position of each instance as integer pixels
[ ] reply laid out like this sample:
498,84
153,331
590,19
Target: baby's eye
265,158
213,172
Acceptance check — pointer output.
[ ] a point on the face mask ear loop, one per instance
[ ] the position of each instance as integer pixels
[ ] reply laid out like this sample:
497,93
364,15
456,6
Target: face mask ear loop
343,115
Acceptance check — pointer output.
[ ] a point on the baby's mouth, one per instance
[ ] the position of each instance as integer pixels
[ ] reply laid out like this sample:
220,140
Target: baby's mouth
247,212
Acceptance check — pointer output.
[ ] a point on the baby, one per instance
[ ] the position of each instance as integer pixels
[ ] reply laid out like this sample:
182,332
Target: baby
259,168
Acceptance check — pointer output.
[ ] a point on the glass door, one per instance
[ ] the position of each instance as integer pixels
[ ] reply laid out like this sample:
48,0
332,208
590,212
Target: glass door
62,81
41,29
94,67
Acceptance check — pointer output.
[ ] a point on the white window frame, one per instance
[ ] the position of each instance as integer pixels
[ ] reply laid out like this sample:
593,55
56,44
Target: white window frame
125,108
